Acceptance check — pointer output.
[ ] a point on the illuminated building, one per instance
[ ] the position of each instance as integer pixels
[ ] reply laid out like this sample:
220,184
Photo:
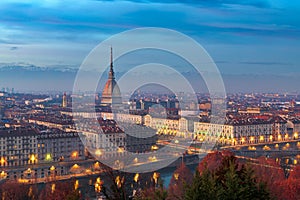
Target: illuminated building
111,95
64,101
17,147
57,145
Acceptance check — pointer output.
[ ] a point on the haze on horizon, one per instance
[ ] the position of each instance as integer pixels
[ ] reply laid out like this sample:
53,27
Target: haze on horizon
255,44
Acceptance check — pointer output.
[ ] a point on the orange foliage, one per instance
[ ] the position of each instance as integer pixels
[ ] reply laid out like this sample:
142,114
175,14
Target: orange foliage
213,161
269,171
181,177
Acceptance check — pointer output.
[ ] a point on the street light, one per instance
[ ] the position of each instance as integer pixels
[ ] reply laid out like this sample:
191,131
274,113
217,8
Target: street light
136,177
97,165
74,154
52,168
53,188
296,135
119,181
98,185
176,176
76,185
286,136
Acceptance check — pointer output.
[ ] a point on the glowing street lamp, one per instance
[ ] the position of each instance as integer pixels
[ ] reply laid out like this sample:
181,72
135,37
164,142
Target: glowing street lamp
296,135
74,154
97,165
98,185
176,176
286,136
155,177
119,181
28,171
53,188
266,148
76,185
154,147
295,162
136,177
52,168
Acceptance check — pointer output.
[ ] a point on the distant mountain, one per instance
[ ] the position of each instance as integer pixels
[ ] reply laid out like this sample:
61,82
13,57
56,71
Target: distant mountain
29,67
34,78
26,77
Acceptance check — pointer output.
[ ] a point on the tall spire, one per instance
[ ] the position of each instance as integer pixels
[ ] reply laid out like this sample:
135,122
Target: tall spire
111,74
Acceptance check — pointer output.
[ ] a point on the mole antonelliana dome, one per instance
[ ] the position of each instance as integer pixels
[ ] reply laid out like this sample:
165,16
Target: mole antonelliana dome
111,94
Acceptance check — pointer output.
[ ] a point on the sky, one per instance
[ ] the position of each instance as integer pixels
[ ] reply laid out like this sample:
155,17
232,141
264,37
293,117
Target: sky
245,38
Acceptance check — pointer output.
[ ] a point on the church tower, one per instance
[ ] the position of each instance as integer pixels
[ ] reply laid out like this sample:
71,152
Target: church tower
111,95
64,101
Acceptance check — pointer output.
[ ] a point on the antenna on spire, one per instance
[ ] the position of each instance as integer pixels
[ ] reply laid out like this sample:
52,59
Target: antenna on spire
111,56
111,71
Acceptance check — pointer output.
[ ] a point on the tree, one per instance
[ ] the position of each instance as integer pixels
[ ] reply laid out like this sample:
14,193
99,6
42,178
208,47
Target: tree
229,179
288,189
60,190
204,186
181,178
268,170
17,191
155,191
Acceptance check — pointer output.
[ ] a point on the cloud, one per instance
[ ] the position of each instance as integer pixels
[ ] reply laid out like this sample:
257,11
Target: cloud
266,63
13,48
44,30
213,3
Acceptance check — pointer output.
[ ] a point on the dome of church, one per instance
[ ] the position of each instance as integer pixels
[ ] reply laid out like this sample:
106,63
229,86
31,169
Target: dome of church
111,94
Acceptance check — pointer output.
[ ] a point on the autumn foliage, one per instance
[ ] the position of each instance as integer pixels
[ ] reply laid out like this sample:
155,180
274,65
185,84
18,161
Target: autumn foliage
220,175
181,178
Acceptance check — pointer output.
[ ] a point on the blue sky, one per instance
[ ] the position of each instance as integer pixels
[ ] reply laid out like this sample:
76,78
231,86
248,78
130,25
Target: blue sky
242,36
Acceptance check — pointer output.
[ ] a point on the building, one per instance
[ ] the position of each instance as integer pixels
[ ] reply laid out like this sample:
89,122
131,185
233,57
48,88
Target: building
64,101
236,131
204,131
55,145
27,153
102,137
161,123
55,121
18,147
279,129
111,95
139,138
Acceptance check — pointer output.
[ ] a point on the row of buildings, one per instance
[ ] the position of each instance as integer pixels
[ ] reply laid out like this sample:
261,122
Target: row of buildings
38,150
235,130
